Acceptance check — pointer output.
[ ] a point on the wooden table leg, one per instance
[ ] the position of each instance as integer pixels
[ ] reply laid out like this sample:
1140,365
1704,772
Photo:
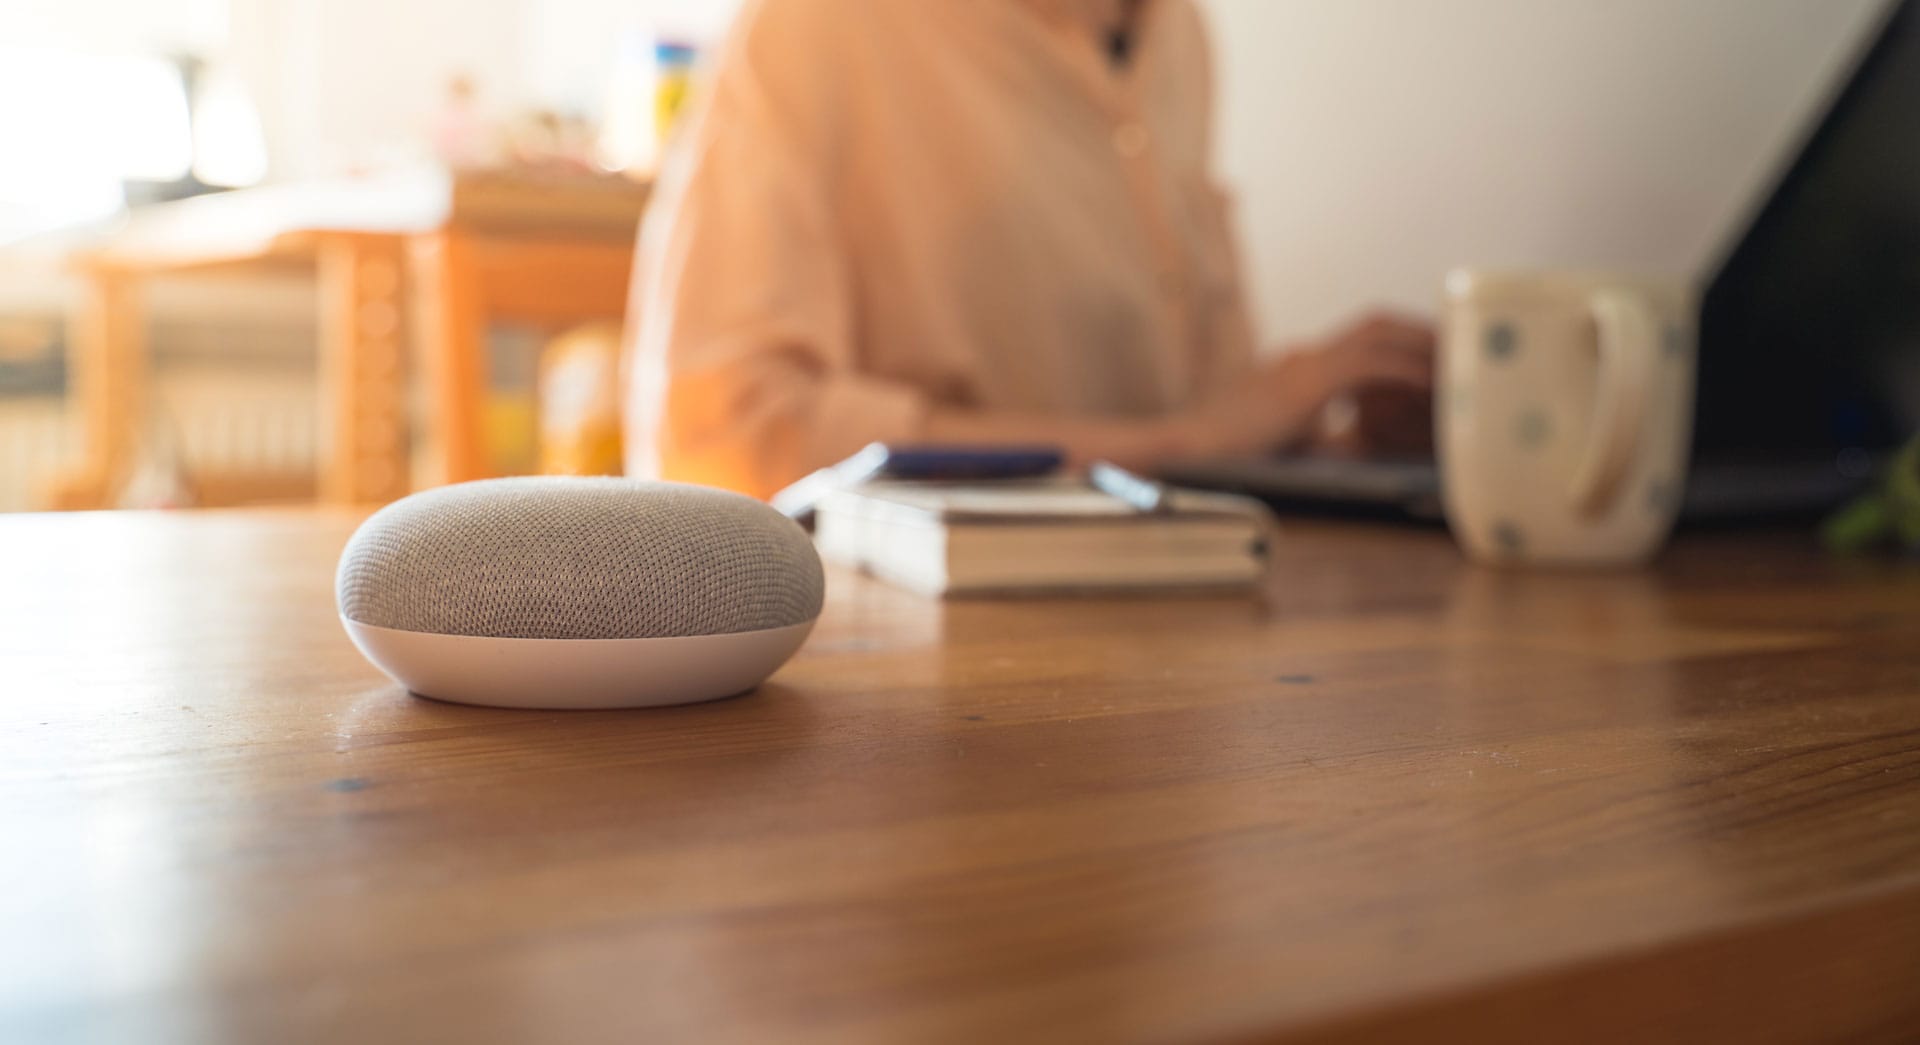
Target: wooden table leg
109,386
453,354
363,386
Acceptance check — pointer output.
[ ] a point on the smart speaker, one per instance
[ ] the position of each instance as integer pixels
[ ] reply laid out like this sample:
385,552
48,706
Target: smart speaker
561,592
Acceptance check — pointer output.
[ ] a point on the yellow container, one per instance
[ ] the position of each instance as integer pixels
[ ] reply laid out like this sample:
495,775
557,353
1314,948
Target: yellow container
673,82
580,402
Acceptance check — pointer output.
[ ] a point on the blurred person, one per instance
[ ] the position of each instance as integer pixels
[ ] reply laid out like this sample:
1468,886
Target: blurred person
979,223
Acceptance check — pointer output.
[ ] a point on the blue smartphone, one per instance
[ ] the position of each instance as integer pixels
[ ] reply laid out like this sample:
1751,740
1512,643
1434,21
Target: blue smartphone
921,463
967,462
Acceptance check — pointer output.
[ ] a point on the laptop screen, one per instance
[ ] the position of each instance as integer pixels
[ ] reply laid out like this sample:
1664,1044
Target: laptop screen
1810,332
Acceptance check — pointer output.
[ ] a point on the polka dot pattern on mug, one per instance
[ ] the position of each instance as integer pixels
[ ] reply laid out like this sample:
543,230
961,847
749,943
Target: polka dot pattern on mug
1508,538
1662,496
1532,428
1502,342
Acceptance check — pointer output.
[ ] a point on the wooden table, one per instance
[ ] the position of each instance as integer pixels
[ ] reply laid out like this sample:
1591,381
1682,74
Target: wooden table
1408,800
457,251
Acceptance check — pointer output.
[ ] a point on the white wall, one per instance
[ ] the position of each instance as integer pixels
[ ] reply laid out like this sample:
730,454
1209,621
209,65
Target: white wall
357,83
1374,143
115,25
572,44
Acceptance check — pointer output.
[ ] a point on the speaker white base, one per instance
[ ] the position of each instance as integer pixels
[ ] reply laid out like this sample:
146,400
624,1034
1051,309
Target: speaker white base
577,673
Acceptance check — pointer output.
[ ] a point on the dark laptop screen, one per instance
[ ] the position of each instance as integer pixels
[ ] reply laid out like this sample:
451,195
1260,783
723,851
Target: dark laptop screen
1810,332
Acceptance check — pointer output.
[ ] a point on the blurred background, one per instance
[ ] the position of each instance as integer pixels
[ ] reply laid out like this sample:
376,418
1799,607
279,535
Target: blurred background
286,250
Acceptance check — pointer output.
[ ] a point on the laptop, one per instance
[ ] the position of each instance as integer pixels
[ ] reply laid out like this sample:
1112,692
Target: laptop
1809,359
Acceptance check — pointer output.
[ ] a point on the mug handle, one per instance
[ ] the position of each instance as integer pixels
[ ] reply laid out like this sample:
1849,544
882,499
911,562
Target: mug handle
1629,334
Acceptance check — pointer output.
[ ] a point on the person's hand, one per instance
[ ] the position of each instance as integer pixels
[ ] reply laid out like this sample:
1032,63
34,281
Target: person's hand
1380,350
1277,405
1392,421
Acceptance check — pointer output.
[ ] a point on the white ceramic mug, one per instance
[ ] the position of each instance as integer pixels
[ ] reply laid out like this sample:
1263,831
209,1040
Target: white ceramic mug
1563,414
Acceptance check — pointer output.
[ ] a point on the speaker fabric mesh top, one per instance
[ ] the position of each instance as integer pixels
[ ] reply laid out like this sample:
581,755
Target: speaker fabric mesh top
579,558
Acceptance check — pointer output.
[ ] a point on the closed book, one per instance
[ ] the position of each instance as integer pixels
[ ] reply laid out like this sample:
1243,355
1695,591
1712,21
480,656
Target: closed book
1042,536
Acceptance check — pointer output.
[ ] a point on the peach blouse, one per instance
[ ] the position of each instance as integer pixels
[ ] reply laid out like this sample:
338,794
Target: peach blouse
883,206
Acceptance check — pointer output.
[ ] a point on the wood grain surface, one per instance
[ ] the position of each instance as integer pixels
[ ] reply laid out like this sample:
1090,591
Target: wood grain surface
1400,799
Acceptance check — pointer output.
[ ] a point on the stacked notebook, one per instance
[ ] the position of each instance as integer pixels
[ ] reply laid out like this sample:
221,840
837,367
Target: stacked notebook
1044,535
